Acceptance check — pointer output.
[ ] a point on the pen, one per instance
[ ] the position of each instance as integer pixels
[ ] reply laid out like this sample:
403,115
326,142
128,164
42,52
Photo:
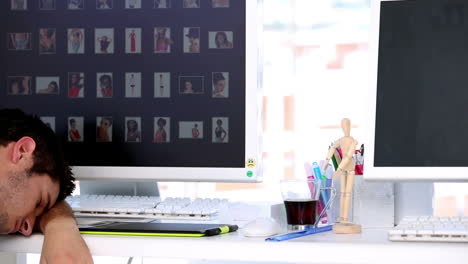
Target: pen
323,178
227,228
300,233
309,171
318,174
329,172
329,175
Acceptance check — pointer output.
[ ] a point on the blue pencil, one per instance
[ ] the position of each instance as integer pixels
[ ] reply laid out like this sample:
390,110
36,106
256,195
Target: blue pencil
300,233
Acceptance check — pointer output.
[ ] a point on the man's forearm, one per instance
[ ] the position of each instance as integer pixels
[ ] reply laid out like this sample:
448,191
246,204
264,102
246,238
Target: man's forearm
60,214
62,240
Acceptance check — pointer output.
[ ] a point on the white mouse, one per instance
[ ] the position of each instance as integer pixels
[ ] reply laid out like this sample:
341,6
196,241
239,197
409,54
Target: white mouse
261,227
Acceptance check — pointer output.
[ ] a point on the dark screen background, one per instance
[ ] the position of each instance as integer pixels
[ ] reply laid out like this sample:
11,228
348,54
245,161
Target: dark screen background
422,89
196,107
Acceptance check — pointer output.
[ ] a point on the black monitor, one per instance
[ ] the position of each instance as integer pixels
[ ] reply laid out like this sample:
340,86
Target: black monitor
165,90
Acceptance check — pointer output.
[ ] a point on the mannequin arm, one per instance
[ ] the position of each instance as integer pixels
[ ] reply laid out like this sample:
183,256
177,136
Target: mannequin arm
347,158
332,149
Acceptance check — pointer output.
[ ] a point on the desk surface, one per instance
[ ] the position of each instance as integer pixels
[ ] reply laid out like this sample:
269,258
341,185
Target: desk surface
371,246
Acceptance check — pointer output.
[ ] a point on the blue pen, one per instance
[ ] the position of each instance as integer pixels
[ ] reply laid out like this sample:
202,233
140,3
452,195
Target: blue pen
318,175
300,233
329,175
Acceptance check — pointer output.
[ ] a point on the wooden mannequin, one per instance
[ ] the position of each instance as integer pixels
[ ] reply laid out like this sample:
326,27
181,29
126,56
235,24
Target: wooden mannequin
346,169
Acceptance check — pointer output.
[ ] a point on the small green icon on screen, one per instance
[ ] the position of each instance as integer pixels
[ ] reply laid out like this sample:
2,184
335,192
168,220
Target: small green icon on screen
249,173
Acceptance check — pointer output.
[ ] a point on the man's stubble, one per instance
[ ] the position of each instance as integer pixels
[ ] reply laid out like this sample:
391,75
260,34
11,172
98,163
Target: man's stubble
10,196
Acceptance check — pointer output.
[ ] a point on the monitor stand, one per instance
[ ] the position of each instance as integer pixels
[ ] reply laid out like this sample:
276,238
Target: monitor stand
413,199
119,188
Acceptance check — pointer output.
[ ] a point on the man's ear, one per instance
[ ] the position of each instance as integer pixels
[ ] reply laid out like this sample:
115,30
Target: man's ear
23,148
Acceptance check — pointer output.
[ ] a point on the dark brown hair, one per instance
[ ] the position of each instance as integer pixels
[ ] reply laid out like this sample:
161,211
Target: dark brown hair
48,156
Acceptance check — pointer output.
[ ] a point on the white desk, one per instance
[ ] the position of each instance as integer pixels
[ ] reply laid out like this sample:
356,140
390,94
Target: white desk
371,246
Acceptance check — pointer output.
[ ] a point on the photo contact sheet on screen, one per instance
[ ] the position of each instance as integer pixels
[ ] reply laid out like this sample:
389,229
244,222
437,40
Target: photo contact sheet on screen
130,82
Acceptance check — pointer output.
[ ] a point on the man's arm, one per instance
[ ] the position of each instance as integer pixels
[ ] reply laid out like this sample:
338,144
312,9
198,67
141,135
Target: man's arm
62,240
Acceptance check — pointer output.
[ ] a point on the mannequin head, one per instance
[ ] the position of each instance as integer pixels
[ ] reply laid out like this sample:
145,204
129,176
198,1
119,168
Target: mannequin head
346,126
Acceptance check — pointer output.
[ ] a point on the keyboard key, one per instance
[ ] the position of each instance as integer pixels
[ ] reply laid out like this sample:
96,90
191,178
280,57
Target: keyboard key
409,218
396,232
425,232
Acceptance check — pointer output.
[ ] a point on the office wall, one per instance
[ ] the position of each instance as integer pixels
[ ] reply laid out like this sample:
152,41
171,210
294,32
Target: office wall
7,258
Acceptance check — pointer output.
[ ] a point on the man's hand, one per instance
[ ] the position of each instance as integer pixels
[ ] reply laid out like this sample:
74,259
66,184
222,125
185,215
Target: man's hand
62,240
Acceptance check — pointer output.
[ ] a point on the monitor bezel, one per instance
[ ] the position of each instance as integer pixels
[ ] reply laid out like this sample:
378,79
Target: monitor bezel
371,172
251,172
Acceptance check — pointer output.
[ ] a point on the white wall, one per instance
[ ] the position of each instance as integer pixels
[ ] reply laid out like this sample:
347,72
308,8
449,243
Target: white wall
7,258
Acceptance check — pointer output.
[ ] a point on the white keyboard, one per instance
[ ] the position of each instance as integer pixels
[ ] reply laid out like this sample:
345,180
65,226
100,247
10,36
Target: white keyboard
146,207
431,229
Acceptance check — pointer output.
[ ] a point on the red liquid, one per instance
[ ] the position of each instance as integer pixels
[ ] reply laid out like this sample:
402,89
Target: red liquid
301,212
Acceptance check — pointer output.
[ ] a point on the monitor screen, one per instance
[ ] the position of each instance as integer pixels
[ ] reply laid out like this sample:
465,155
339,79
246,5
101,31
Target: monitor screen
153,87
420,90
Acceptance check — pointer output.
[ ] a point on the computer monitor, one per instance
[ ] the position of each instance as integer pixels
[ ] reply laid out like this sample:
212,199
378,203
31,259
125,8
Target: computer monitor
418,127
141,90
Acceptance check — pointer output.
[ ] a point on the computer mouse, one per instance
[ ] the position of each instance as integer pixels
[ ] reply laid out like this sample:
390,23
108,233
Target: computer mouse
261,227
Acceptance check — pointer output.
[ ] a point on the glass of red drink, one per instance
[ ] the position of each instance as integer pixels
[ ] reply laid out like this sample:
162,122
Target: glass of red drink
301,199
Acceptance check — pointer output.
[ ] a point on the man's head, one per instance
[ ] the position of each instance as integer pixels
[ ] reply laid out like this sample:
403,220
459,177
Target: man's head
33,172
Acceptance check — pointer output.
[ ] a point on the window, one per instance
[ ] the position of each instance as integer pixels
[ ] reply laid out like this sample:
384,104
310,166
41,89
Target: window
315,62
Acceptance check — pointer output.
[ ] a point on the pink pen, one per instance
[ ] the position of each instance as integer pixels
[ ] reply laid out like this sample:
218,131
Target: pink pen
309,171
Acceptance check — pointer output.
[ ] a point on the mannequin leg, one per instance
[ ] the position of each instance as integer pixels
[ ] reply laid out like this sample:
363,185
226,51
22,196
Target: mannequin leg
342,199
348,195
